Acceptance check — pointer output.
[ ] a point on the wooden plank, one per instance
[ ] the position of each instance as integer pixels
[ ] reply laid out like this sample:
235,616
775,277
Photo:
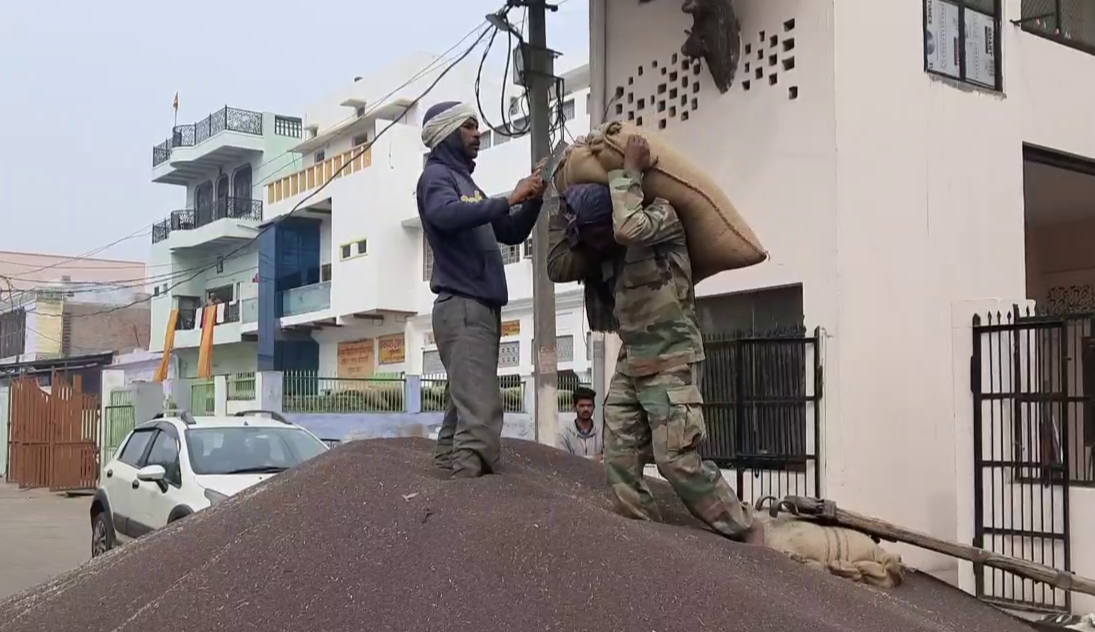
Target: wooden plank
827,512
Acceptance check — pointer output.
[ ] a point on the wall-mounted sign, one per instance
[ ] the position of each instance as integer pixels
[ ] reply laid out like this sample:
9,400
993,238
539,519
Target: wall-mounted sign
511,328
392,349
356,358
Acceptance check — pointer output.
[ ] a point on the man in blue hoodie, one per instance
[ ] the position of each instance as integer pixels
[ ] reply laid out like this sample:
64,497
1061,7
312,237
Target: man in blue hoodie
464,227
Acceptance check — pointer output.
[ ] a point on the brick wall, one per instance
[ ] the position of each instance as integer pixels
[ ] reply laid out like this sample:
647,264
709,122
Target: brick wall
89,328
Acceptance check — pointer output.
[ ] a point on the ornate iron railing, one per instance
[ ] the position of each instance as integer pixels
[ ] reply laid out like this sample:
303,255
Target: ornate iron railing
224,208
225,119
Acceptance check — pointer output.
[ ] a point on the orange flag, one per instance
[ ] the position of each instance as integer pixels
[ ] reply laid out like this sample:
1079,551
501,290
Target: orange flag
205,351
168,346
176,102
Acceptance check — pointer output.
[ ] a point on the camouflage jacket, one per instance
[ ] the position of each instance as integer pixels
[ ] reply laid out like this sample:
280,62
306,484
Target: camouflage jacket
654,297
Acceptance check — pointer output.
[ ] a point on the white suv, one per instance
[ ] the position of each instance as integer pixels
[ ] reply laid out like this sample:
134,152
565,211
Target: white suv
176,464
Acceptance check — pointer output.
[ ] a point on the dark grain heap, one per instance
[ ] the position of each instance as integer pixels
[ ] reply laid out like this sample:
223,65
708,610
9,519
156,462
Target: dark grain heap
369,538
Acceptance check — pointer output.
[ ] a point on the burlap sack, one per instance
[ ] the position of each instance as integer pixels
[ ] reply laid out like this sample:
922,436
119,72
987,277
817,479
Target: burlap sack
840,551
718,238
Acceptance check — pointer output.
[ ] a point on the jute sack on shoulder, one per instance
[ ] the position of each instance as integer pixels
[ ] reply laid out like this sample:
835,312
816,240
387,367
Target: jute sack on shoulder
718,237
838,550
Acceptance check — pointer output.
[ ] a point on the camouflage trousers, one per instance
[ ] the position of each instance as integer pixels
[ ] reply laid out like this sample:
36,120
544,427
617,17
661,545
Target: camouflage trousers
659,418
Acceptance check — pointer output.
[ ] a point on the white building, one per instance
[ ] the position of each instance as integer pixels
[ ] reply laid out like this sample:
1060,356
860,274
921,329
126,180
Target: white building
360,305
905,175
207,251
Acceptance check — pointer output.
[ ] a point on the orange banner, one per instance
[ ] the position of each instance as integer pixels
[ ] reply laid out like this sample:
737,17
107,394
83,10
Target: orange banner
168,346
205,351
511,328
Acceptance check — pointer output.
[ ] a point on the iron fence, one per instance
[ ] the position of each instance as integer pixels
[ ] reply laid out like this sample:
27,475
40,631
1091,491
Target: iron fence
241,386
762,404
435,393
203,396
309,392
1028,374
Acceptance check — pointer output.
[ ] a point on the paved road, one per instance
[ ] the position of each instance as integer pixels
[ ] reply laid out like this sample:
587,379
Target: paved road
41,534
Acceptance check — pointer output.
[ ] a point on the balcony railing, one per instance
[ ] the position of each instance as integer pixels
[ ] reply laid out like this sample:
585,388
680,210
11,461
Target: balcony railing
1068,22
306,299
188,318
225,119
189,219
317,174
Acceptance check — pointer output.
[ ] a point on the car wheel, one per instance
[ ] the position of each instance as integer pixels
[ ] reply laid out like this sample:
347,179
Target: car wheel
102,534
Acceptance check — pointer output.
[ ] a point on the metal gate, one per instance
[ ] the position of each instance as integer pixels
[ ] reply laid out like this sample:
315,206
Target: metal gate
762,402
119,418
1024,409
54,436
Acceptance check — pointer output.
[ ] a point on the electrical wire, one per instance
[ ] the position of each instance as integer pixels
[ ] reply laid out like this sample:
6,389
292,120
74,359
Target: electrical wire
240,251
364,148
430,67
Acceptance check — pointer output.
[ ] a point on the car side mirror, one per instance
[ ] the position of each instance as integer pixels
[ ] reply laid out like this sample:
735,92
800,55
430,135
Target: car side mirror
152,474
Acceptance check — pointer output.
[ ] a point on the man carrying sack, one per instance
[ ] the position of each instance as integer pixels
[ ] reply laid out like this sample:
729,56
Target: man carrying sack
631,252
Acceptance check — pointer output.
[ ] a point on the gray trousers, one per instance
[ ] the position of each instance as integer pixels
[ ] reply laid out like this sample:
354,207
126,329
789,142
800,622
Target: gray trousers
468,334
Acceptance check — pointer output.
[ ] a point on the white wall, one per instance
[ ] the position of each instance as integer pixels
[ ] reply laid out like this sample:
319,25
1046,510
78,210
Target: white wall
329,338
890,194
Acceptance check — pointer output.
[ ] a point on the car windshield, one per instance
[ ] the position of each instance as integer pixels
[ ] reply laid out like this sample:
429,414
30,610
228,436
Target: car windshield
249,450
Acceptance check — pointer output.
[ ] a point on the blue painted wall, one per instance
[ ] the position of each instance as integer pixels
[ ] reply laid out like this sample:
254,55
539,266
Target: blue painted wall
288,258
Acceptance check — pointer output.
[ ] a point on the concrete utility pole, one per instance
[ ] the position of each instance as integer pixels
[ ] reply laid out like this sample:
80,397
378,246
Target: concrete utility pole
545,360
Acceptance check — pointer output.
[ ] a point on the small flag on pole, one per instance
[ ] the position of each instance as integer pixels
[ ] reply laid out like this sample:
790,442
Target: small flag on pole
176,103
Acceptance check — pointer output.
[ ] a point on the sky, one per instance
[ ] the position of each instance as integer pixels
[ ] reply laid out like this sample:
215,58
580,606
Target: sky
86,90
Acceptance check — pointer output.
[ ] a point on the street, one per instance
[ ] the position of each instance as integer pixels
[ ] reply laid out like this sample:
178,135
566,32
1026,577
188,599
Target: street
41,534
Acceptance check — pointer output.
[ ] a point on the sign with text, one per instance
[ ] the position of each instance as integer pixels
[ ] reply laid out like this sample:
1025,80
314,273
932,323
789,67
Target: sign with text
356,358
511,328
392,349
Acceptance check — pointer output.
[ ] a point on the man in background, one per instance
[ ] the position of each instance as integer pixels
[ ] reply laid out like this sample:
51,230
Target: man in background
582,437
464,226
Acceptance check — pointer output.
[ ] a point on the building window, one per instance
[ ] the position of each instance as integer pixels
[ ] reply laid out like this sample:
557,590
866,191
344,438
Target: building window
510,254
1069,22
961,40
431,363
13,333
509,354
320,157
568,110
360,139
325,273
427,259
362,246
345,251
564,348
757,353
528,248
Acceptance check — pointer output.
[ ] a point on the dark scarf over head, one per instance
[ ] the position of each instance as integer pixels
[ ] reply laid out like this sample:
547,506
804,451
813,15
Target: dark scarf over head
591,205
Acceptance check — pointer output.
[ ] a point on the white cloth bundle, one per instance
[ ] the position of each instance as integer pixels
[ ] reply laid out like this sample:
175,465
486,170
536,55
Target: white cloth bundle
446,122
